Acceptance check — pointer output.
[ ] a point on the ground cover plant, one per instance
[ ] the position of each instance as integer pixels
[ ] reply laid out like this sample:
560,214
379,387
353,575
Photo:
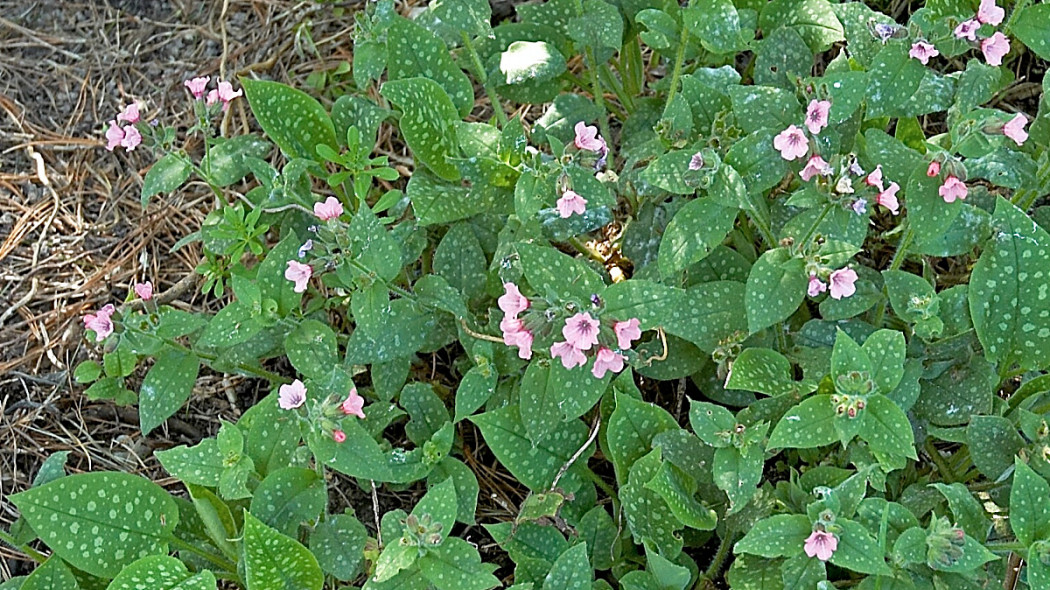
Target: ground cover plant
815,239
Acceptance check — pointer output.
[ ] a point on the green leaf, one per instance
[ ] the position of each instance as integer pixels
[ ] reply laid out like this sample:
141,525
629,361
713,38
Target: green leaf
273,561
802,572
289,497
526,61
676,489
632,427
555,394
695,229
272,284
294,120
450,19
165,176
1032,26
1009,303
886,349
847,355
466,486
600,26
572,570
160,572
273,435
311,348
224,162
427,413
899,86
599,532
648,301
456,565
959,392
782,55
968,512
552,273
51,575
737,472
166,387
1029,513
358,456
776,287
415,53
649,518
717,24
749,572
475,389
858,551
87,371
761,370
886,428
993,441
435,201
712,423
813,20
426,122
120,362
125,516
375,247
758,107
809,424
708,314
461,261
782,535
440,503
338,543
201,464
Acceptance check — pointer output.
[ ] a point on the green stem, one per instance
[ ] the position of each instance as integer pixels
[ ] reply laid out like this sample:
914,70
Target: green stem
263,373
26,549
225,564
946,472
895,264
583,248
1006,546
479,71
813,228
679,59
605,73
599,100
1024,198
715,568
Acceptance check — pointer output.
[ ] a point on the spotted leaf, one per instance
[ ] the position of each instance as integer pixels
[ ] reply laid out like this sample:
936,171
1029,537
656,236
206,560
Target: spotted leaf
160,572
294,120
273,561
427,114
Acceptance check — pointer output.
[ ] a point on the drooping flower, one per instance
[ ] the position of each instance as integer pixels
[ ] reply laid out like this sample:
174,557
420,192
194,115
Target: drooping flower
627,332
353,404
581,331
225,93
821,544
990,14
842,283
331,208
523,340
952,189
132,138
817,115
607,360
815,166
515,334
100,322
995,48
923,51
875,178
338,436
696,162
298,273
570,355
934,169
144,290
114,135
791,143
967,30
291,396
571,202
888,198
130,113
1014,128
197,86
587,138
512,302
816,286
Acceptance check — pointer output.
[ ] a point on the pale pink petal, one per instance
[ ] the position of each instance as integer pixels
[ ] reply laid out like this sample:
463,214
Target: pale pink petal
627,332
888,198
607,360
197,86
144,290
696,162
995,48
132,138
581,331
952,189
821,544
130,113
923,51
842,283
816,166
299,274
114,135
816,286
990,14
512,302
587,138
570,355
967,30
1014,128
817,115
934,169
291,396
791,143
331,208
875,178
571,203
353,404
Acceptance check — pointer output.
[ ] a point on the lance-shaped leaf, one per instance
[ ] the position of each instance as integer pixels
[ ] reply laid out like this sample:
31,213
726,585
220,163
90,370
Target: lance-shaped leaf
273,561
427,114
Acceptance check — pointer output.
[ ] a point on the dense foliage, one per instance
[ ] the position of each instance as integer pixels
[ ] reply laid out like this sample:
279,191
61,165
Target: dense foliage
848,274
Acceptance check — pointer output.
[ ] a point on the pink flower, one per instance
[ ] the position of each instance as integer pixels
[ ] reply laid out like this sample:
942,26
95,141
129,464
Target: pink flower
570,355
523,341
990,14
299,274
816,286
197,86
791,143
512,302
627,332
130,113
338,436
821,544
144,290
952,189
515,334
934,169
114,135
291,396
1014,128
100,323
888,198
331,208
696,162
132,138
923,51
817,115
224,93
967,30
875,178
581,331
995,48
815,166
353,404
842,283
571,202
607,360
587,138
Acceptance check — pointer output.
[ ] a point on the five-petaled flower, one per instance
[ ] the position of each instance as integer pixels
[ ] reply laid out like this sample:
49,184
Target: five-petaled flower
581,331
821,544
816,166
100,322
791,143
571,202
587,138
331,208
923,51
130,113
696,162
607,360
842,283
353,404
995,48
817,115
888,198
1014,128
298,273
874,178
570,355
291,396
144,290
967,29
627,332
952,189
516,334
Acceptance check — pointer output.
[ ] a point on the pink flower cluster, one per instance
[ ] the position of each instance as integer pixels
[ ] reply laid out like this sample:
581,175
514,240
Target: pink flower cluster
224,91
952,188
995,47
128,136
293,395
841,283
887,196
581,333
792,142
515,333
100,322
